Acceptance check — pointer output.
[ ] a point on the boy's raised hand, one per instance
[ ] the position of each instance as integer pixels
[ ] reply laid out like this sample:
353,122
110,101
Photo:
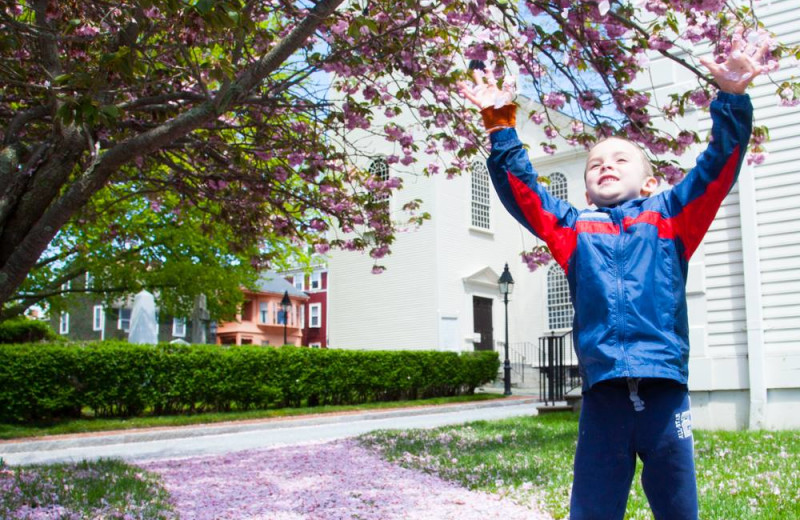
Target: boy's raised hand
741,66
485,93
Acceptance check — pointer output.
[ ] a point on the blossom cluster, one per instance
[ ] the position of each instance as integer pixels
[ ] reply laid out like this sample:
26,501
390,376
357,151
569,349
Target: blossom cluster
536,257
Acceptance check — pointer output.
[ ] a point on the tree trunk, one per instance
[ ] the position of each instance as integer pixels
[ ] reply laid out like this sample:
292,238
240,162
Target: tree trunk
30,221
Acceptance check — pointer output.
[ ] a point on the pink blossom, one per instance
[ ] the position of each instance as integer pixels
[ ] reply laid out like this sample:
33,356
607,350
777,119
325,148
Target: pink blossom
787,97
318,225
685,138
379,252
339,27
659,43
588,100
672,174
657,7
555,100
756,158
153,13
87,30
537,117
700,97
536,258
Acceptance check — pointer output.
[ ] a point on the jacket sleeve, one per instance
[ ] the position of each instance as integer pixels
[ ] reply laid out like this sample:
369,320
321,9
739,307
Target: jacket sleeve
517,186
693,204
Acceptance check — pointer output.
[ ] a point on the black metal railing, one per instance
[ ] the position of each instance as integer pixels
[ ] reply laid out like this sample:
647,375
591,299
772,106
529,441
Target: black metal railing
521,356
558,367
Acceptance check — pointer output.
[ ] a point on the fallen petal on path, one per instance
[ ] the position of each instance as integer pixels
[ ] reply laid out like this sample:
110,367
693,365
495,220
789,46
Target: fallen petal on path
330,481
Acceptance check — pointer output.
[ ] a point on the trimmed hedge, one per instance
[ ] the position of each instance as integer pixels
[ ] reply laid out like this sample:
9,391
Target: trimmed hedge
117,379
24,330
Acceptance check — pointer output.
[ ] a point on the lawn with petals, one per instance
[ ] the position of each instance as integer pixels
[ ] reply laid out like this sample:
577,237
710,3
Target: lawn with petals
107,489
741,475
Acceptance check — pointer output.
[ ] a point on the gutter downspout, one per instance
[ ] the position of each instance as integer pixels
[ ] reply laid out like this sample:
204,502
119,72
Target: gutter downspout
753,303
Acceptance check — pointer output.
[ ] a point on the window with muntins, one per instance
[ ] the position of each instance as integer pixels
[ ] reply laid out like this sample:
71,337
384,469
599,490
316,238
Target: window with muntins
124,319
63,323
558,186
179,327
315,315
480,195
263,312
315,282
559,306
98,318
379,169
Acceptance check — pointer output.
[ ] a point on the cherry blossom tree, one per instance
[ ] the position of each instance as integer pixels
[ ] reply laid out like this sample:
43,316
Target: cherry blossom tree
219,104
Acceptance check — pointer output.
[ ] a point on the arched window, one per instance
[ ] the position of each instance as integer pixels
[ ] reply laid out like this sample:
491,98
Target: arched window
559,306
558,186
480,195
379,169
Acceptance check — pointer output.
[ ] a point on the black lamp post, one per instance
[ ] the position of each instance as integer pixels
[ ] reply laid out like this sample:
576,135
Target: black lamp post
506,284
285,304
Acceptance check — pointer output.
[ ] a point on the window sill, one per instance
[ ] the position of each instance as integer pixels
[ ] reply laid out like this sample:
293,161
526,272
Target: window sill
481,231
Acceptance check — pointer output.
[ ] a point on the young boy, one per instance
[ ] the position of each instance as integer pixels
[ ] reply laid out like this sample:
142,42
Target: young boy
626,262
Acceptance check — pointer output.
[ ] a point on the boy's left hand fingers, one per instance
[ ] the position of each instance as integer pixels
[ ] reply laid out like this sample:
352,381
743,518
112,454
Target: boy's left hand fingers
762,51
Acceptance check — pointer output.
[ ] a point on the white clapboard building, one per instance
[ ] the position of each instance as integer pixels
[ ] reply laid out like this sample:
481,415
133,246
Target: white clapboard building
744,283
440,287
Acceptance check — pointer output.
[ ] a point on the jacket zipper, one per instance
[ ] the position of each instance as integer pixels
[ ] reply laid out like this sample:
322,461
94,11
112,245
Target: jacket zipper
616,214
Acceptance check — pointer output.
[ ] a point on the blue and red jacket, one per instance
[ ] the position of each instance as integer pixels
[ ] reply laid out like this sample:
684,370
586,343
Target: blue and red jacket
627,265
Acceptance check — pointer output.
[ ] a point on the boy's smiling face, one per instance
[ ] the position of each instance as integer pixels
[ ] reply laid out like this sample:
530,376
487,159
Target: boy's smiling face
616,171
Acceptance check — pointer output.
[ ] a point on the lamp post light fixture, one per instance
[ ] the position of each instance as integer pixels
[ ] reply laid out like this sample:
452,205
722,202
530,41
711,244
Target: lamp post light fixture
285,304
506,284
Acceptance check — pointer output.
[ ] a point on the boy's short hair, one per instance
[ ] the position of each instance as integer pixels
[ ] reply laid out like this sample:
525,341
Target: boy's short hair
646,165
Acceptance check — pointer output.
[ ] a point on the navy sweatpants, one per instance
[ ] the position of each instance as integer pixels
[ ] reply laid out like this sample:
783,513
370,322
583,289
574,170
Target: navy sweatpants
611,435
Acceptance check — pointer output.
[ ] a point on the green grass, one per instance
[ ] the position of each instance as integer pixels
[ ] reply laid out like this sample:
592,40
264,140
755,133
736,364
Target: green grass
741,475
86,425
102,489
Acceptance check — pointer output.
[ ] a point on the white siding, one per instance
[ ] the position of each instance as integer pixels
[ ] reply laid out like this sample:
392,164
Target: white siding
396,309
777,188
742,332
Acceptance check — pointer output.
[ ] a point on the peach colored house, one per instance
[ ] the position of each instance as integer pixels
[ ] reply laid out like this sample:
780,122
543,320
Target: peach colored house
262,321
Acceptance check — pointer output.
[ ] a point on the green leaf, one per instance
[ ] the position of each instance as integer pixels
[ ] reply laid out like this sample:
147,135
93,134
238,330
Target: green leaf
66,113
62,79
204,6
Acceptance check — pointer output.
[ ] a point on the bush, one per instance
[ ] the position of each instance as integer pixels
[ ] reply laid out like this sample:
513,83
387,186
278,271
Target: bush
117,379
24,330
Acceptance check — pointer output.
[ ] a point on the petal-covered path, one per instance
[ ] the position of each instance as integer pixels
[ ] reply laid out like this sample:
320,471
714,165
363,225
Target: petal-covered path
327,481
